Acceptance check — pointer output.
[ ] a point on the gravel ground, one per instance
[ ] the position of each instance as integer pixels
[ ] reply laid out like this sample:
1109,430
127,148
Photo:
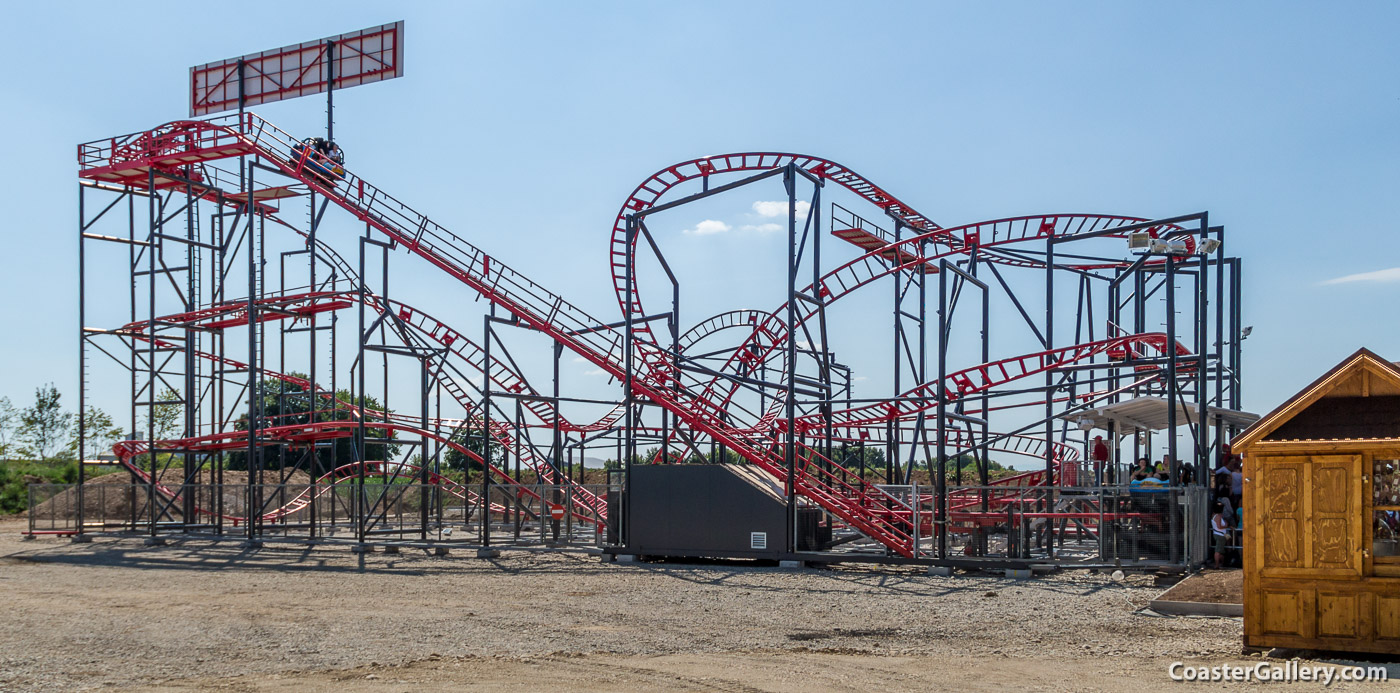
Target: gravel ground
198,614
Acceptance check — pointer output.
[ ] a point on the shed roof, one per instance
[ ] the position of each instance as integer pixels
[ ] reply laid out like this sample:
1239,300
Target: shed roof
1363,374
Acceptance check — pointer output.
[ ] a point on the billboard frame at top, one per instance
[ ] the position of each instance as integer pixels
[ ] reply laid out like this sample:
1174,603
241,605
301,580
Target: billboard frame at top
358,57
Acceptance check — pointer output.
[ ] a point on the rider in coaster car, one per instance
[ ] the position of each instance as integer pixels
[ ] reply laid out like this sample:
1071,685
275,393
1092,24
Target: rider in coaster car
325,160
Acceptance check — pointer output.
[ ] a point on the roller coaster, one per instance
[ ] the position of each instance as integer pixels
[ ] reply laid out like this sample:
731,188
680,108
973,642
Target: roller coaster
188,235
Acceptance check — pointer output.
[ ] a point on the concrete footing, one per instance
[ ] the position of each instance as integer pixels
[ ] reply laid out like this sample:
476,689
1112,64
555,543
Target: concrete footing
488,553
441,550
1016,574
362,548
251,545
77,538
391,550
792,564
626,558
940,571
154,541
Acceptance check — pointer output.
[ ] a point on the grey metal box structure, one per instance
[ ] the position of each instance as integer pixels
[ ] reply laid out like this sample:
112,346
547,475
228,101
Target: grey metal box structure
710,510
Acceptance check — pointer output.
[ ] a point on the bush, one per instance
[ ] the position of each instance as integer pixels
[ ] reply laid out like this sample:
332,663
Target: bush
16,475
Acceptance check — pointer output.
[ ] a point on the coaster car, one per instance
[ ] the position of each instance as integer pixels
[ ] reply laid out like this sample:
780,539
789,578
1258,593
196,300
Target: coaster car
321,158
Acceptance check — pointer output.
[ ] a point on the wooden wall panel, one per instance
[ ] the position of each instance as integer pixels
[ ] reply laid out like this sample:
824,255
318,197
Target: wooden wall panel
1283,610
1338,615
1387,618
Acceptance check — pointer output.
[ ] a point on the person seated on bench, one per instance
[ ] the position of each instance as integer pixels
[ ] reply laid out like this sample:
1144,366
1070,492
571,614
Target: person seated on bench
1139,491
1151,487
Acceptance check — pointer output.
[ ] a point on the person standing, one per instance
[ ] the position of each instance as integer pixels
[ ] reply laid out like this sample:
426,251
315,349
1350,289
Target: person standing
1220,533
1099,453
1224,458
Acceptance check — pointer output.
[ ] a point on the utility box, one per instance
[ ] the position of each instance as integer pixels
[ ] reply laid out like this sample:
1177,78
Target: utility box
1322,514
714,510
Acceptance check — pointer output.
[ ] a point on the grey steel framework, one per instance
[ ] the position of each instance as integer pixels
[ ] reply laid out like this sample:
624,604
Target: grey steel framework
229,310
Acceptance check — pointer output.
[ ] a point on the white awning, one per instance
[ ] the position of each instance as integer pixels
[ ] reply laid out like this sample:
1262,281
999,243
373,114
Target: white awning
1150,414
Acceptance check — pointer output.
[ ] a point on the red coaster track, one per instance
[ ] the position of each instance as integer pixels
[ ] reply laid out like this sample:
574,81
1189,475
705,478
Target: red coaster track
700,404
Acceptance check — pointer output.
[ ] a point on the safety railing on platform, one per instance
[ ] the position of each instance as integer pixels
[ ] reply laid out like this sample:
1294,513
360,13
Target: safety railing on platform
1059,524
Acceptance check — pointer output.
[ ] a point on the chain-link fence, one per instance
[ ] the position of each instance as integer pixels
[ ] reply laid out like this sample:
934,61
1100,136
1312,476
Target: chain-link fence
1081,524
372,510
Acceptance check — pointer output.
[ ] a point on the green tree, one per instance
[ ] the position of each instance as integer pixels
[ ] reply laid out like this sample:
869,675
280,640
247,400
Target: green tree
9,421
45,426
854,457
472,439
344,448
165,420
725,456
101,433
285,403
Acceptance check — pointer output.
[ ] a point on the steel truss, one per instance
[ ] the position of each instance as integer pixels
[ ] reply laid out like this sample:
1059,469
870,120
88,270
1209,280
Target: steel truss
227,296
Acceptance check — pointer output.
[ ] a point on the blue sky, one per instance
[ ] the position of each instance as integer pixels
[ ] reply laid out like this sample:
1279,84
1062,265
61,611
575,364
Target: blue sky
525,125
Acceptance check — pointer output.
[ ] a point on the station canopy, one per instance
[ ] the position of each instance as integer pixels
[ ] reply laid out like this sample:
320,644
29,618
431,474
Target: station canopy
1150,414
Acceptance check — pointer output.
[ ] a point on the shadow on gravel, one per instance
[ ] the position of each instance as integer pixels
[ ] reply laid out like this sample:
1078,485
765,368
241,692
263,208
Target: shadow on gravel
737,573
726,573
212,556
204,555
176,556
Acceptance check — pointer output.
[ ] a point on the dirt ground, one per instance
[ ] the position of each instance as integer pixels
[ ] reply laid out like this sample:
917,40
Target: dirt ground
196,615
1211,586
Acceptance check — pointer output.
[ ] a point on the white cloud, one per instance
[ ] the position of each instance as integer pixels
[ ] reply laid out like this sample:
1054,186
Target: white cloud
580,359
707,227
859,378
779,208
762,228
1380,276
596,371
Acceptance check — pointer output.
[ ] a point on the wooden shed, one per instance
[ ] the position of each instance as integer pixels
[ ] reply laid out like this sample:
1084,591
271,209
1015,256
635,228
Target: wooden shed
1322,514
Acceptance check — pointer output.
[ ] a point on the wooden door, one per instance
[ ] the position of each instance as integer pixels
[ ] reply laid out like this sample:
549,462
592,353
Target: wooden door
1310,516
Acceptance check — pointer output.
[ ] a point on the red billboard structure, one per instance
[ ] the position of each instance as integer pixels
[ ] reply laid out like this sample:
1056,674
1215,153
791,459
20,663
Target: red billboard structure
336,62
